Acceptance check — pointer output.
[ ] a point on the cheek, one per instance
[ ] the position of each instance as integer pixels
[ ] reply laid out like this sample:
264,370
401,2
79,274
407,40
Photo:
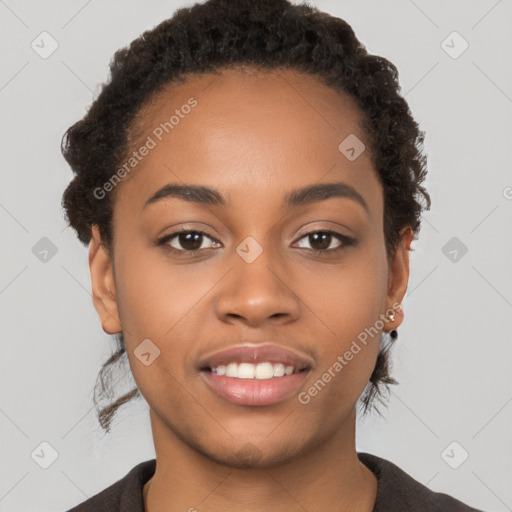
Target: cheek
349,297
162,302
348,304
153,295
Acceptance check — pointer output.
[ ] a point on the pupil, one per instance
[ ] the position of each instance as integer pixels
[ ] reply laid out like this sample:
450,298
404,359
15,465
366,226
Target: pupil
190,241
323,245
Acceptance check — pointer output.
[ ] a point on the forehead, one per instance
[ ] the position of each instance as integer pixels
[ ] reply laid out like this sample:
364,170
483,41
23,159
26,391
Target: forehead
249,128
244,91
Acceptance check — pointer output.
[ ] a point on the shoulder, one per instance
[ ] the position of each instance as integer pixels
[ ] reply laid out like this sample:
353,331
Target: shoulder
125,494
397,491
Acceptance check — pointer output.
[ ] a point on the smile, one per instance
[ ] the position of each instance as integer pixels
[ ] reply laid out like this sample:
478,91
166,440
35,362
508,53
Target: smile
261,371
255,375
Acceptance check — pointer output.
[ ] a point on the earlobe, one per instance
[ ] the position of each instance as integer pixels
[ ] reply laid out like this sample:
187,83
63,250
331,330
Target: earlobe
103,284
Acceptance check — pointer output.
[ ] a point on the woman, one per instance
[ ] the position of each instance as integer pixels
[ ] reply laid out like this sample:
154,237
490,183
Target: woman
249,183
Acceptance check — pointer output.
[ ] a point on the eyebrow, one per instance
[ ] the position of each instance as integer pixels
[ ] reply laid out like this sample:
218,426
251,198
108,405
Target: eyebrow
301,197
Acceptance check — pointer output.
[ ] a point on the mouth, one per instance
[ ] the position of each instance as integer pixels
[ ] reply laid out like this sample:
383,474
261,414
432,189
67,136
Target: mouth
255,375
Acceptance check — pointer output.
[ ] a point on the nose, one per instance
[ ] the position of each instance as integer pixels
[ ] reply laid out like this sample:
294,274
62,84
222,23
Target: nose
257,293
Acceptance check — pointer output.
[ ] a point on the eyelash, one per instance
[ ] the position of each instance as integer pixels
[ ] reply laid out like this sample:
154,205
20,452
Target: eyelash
346,241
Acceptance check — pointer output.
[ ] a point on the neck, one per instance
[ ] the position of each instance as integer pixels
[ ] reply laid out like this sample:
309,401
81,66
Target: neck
327,477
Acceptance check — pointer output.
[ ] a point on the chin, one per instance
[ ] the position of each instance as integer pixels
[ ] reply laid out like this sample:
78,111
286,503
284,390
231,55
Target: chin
250,456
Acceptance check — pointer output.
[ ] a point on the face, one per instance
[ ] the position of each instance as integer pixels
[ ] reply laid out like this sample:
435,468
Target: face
278,276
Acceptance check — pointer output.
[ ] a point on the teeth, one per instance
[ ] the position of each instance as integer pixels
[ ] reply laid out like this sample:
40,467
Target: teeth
261,371
245,371
232,370
278,370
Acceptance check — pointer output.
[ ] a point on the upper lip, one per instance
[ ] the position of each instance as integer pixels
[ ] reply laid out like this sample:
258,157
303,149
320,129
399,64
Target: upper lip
260,353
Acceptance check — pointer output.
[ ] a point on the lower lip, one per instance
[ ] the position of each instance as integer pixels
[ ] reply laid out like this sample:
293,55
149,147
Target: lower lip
255,391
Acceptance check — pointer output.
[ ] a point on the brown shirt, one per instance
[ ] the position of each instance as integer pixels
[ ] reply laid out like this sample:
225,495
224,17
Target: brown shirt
397,491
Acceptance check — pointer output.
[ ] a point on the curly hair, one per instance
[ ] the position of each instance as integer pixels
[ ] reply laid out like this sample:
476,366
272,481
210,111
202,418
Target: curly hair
268,35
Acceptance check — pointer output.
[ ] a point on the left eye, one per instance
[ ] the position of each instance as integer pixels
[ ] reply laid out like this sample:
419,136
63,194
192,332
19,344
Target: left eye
323,240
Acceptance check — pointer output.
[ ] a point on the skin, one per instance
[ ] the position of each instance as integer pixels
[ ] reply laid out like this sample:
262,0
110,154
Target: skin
254,136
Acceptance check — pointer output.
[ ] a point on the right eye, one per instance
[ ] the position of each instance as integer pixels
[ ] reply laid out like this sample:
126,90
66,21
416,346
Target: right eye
186,241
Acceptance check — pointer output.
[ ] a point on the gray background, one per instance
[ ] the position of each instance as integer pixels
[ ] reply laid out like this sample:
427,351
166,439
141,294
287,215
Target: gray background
453,353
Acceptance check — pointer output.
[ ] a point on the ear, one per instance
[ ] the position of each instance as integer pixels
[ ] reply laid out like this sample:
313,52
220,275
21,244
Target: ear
399,276
103,284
